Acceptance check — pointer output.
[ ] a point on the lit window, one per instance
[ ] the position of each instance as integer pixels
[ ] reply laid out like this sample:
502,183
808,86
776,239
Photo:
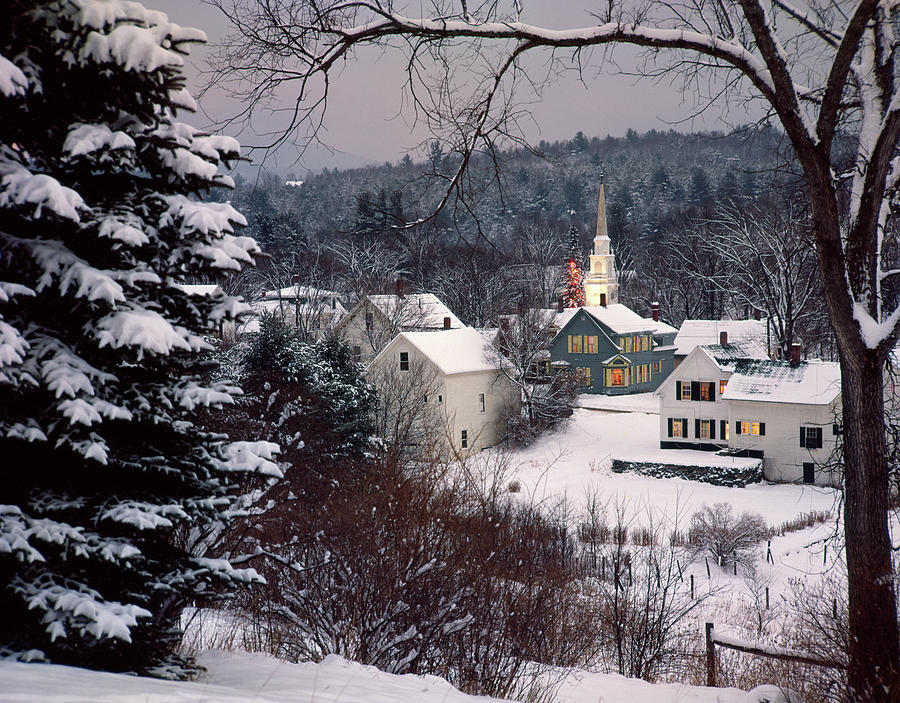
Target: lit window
722,384
575,344
685,390
617,377
678,428
404,361
706,391
750,428
591,344
707,429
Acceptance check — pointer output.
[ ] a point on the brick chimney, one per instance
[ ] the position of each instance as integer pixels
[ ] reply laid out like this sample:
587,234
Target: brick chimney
559,305
295,279
446,323
603,300
723,338
654,311
399,287
795,354
757,314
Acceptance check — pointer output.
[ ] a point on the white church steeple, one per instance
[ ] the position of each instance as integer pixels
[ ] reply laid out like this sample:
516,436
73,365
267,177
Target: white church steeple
601,287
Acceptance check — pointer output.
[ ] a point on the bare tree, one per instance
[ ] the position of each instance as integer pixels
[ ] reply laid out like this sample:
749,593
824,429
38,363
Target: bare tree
822,68
765,259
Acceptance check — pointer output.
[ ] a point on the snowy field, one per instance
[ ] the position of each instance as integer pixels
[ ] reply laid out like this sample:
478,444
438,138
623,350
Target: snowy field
254,678
575,461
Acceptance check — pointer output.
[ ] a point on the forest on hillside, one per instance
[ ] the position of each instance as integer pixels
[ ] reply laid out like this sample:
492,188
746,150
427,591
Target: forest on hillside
674,204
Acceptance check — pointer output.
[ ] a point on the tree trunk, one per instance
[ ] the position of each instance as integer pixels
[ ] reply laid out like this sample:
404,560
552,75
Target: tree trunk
873,633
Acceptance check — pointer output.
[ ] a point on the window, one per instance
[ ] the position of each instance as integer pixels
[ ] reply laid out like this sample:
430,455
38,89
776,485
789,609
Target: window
657,367
811,437
677,427
404,361
684,390
370,319
722,384
464,438
695,390
617,377
749,427
707,429
575,344
591,344
707,391
584,375
357,352
628,344
440,399
426,398
481,401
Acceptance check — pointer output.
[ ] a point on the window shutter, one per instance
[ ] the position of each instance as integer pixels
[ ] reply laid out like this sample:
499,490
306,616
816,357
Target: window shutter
762,428
737,427
695,390
818,438
712,390
697,429
569,340
712,429
670,427
677,390
684,427
802,436
723,428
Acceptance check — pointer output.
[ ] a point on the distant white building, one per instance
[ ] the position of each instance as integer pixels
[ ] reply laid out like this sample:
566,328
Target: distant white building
464,394
377,319
315,311
786,413
693,413
749,334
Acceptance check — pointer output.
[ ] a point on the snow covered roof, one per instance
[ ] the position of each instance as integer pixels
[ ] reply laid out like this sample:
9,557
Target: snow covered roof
726,356
695,333
462,350
415,310
293,292
619,318
809,383
202,290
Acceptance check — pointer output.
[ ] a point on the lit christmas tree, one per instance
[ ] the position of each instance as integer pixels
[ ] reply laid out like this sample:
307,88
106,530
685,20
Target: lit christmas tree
573,283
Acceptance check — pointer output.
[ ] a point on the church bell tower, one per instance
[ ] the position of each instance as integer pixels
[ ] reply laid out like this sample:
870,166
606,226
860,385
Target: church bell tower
601,287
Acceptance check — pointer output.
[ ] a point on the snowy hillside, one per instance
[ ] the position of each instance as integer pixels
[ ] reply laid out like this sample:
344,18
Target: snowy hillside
244,678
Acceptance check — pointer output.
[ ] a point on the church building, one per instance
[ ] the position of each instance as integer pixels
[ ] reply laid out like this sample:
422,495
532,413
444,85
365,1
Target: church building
601,286
612,349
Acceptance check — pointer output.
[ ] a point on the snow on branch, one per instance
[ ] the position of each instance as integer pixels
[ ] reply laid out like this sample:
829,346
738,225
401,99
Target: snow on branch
18,186
256,457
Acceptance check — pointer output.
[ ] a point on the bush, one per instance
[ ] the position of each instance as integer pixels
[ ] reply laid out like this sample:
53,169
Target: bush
727,538
732,476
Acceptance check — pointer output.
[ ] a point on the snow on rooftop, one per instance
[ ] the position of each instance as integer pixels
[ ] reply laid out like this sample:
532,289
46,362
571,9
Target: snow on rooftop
810,382
463,350
726,356
695,333
415,310
292,292
202,290
619,318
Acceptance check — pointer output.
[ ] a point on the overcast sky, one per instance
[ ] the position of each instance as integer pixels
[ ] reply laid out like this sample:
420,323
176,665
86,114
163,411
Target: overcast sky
365,121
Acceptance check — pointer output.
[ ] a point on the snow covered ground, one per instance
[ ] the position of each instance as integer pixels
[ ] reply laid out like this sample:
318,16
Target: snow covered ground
255,678
575,461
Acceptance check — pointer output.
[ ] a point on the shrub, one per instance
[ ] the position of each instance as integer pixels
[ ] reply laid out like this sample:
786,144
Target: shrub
729,539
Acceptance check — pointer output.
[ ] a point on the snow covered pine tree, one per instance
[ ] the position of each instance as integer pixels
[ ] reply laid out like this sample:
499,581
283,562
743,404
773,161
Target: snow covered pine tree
103,476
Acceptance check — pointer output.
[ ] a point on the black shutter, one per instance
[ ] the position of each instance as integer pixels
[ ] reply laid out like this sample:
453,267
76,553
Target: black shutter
737,427
670,426
712,429
818,438
723,428
697,429
684,427
695,390
712,390
677,390
762,428
802,436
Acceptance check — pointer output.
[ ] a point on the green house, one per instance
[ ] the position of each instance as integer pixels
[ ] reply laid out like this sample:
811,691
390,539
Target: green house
614,350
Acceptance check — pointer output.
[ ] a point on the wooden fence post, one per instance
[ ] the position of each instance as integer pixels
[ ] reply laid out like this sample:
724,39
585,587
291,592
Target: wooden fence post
710,656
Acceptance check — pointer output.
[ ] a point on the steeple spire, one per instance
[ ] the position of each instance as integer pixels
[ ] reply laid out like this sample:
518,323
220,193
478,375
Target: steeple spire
601,287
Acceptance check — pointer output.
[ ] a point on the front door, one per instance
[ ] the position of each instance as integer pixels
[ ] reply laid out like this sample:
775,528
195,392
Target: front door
809,472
